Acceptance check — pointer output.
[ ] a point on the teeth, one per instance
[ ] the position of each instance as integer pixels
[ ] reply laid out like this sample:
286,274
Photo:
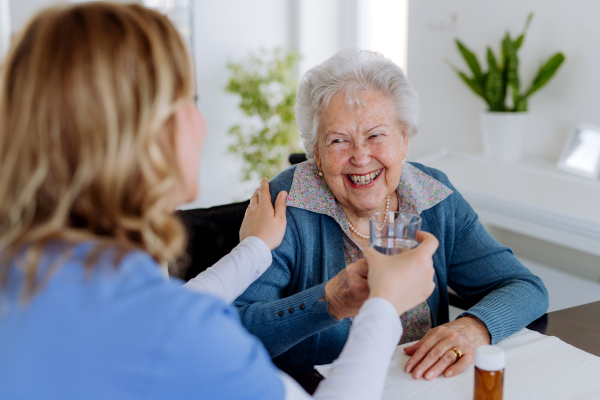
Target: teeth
364,179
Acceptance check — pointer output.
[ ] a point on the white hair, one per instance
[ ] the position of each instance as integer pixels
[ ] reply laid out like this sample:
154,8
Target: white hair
353,72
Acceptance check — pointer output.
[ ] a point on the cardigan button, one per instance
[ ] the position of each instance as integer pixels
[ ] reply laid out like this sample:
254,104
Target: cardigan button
291,310
302,306
280,313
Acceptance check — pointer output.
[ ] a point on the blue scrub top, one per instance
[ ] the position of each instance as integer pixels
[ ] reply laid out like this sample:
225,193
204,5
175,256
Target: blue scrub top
125,333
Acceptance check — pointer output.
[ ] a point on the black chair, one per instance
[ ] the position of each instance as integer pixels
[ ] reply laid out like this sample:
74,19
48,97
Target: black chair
297,158
212,233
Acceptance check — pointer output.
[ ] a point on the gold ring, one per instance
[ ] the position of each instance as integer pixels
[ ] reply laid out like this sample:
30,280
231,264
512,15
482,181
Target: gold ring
458,353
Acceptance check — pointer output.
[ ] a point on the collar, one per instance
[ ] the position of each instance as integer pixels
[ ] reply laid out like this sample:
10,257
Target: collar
416,191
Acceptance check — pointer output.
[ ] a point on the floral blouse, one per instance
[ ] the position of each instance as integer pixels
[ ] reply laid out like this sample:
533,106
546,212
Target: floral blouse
417,192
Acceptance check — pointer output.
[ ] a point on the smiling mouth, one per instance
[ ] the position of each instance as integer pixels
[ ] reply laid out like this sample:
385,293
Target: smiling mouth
361,180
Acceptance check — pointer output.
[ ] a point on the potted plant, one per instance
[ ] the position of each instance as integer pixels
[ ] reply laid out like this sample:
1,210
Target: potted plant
503,124
266,84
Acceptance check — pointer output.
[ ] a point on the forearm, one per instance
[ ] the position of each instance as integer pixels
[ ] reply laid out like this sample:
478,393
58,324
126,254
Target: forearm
283,323
361,369
229,277
511,307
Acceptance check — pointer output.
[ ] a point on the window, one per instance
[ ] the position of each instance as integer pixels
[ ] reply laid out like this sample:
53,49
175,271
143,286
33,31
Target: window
383,27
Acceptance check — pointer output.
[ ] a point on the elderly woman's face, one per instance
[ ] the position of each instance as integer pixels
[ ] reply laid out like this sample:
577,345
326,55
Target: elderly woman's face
360,151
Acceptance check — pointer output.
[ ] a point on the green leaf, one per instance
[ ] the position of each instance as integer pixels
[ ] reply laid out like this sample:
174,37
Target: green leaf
521,104
504,45
545,73
472,83
494,88
512,68
470,59
519,41
521,37
476,85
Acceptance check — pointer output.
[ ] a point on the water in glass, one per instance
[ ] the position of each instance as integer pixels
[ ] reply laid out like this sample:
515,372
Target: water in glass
392,245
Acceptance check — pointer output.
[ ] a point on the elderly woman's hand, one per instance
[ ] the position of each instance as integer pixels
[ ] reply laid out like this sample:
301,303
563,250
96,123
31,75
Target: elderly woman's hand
347,291
262,219
432,355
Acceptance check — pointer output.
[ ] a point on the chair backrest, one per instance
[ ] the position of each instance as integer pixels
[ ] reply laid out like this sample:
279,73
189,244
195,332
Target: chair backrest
212,233
297,158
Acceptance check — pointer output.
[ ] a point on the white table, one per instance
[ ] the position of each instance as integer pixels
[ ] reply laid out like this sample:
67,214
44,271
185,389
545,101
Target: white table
537,367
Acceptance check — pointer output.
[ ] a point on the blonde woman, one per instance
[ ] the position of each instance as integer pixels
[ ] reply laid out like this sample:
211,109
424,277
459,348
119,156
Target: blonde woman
99,142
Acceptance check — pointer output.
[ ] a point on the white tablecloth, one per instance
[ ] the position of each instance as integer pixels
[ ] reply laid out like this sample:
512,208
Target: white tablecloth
537,367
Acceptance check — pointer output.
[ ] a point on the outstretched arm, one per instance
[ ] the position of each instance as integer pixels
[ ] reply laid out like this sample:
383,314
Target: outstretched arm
262,231
228,362
361,369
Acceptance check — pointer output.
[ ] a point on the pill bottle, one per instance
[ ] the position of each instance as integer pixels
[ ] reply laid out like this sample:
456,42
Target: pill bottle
489,373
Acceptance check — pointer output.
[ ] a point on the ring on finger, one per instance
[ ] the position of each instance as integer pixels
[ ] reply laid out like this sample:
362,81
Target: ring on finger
458,353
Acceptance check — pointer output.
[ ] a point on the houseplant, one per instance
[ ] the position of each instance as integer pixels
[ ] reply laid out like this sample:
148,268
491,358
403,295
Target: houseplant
266,85
503,124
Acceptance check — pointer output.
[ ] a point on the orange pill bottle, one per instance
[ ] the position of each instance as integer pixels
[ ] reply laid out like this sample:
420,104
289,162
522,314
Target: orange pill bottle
489,373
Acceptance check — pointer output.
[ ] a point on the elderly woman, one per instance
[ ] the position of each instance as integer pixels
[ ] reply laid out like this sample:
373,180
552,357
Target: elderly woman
356,113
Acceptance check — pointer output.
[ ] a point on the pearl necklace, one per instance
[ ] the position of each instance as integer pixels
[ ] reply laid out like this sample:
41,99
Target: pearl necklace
357,233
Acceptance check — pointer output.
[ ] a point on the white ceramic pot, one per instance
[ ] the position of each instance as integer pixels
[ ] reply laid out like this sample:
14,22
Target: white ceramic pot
503,134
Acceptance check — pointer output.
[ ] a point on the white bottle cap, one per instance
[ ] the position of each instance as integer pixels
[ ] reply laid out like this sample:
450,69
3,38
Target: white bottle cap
490,358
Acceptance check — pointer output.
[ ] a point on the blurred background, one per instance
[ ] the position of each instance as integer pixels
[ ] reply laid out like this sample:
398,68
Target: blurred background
253,52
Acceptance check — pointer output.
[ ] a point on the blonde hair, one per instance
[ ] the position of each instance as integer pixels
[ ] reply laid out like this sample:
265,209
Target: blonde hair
87,102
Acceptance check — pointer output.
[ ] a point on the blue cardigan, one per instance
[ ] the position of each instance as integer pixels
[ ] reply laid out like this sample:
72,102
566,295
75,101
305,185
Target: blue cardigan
282,306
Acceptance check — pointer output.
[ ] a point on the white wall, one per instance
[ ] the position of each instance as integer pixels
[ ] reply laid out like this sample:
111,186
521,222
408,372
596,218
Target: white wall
320,31
450,110
382,27
22,10
227,30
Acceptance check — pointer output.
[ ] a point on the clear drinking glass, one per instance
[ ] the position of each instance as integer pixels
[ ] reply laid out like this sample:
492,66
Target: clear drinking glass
394,232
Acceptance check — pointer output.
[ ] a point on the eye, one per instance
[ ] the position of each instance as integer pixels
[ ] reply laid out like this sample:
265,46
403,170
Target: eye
339,141
375,135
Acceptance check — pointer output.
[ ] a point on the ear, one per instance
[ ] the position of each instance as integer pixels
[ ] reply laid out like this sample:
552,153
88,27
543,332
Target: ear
404,151
317,156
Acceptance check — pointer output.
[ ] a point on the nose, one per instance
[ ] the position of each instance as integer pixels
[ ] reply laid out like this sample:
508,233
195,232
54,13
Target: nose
361,155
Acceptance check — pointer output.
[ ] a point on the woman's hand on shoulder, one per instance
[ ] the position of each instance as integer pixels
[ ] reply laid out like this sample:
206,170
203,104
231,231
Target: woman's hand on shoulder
405,280
262,219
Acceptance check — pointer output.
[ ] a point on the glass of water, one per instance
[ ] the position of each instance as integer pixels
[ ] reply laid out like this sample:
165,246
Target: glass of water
394,232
